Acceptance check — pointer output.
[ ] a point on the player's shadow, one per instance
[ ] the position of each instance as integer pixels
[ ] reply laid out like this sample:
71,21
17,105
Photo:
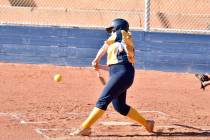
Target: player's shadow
191,127
183,134
199,133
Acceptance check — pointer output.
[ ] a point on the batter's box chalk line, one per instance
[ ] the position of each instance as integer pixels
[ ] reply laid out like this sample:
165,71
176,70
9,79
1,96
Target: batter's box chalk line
116,123
19,117
154,111
4,114
165,115
22,121
106,123
42,131
39,131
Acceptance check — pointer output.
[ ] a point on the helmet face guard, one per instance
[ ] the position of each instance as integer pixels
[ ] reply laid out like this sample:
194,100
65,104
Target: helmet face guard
118,24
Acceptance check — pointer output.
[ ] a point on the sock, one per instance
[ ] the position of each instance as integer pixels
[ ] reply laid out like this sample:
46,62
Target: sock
93,117
134,115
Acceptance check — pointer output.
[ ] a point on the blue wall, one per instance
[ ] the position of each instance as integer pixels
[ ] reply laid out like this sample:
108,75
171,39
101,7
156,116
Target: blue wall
78,46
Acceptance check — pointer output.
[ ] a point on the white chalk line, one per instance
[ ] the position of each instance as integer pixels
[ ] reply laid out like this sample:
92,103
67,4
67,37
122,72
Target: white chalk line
22,121
154,111
17,116
8,113
30,122
3,114
39,131
115,123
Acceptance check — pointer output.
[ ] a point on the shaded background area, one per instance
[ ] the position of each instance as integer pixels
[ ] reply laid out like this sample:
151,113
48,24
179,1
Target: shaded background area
78,46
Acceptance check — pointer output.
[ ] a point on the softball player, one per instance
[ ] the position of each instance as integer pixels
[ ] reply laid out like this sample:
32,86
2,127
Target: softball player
204,79
120,60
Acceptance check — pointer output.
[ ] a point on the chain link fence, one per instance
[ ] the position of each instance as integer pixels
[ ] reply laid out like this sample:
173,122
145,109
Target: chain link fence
148,15
85,13
180,15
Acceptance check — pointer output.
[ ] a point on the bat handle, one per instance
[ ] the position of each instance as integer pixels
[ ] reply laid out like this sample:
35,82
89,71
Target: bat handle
100,77
98,73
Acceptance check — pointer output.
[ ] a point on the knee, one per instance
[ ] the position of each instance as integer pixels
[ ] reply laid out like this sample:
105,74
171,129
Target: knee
123,110
102,104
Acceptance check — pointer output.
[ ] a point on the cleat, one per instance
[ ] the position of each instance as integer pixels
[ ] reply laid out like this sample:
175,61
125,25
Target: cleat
81,132
150,125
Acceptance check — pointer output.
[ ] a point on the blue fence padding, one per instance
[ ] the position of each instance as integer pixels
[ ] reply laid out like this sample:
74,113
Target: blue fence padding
46,51
63,61
175,48
79,40
51,31
78,46
174,59
177,38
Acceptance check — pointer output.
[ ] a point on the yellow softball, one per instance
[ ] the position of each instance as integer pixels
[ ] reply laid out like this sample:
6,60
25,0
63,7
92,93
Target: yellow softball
57,78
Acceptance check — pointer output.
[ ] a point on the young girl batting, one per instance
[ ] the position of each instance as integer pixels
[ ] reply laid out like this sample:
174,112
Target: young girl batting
120,61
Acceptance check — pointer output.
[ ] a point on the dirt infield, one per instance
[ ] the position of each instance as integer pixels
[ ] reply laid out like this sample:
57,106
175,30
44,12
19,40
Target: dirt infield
34,107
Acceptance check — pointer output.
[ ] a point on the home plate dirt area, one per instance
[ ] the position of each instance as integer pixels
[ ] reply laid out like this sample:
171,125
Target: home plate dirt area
35,107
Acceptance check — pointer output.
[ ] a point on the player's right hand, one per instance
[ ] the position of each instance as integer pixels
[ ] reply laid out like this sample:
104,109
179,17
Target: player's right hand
95,65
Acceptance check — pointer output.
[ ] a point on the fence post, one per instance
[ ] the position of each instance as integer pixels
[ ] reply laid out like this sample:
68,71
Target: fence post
147,4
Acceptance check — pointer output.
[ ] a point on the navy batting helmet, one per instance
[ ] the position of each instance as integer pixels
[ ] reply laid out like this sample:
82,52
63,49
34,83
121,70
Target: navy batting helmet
118,24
